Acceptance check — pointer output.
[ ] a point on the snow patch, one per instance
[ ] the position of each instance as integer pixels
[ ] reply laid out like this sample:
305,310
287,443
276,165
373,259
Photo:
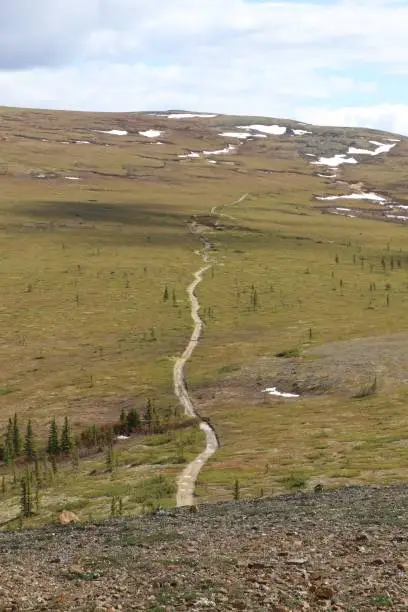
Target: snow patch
151,133
381,148
212,161
192,154
276,130
355,196
327,175
335,161
81,142
400,217
72,178
301,132
343,209
241,135
122,437
114,132
274,391
221,151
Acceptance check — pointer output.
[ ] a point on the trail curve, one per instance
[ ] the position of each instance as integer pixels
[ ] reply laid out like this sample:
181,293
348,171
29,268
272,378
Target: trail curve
186,482
188,477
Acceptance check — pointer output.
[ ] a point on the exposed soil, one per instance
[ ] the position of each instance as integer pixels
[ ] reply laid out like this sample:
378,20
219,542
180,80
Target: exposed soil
346,368
344,549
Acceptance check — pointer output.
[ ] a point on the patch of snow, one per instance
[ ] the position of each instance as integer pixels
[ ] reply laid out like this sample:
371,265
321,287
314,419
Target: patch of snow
301,132
41,176
327,175
354,196
44,140
192,154
381,148
402,206
335,161
274,391
72,178
276,130
114,132
212,161
64,142
393,139
400,217
122,437
343,209
82,142
187,116
221,151
241,135
151,133
310,155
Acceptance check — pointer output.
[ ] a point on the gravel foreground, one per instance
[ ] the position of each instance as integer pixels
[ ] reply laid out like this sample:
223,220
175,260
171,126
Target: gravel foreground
345,549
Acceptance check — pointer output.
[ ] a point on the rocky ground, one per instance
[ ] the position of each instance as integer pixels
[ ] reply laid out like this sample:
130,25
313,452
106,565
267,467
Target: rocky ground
344,549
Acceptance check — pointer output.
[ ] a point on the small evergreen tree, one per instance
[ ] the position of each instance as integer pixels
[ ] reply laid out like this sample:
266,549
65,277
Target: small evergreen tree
53,447
122,422
148,414
66,441
236,490
132,420
9,452
110,458
75,454
16,436
165,294
26,502
29,444
3,485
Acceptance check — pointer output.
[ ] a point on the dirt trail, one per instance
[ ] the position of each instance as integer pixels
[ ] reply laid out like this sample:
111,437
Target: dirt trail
188,477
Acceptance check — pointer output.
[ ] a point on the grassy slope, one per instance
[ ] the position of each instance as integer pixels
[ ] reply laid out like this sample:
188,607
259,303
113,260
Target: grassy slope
84,265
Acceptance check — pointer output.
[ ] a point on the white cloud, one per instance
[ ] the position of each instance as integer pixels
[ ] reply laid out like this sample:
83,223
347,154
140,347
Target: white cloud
267,58
389,117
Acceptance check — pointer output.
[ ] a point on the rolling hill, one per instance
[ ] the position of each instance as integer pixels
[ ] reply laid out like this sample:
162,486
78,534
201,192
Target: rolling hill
301,365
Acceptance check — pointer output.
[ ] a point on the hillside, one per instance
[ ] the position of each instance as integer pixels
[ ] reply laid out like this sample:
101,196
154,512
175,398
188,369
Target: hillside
301,364
339,550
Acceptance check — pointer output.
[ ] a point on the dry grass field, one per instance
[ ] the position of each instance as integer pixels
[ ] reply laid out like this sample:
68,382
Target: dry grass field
94,227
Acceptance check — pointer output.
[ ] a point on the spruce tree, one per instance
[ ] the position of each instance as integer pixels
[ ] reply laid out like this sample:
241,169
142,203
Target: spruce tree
66,441
132,420
236,490
165,294
122,422
53,447
110,458
9,453
148,414
16,436
26,501
29,444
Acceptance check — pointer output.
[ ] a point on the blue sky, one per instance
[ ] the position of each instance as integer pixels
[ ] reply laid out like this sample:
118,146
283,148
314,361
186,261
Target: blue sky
339,62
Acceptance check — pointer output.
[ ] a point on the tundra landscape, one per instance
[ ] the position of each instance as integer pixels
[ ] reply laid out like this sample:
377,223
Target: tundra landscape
200,309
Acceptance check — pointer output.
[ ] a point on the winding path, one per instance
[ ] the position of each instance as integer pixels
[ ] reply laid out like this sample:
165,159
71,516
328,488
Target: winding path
188,477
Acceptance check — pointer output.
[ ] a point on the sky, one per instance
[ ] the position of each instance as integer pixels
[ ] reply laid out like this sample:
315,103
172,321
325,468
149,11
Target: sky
331,62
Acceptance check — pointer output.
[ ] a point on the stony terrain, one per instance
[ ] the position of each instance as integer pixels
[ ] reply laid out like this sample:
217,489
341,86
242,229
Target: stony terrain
344,549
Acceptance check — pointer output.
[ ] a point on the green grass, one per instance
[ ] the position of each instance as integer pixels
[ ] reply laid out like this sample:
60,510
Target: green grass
83,269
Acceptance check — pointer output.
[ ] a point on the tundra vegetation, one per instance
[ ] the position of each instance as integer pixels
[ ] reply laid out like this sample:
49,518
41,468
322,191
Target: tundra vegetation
98,243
